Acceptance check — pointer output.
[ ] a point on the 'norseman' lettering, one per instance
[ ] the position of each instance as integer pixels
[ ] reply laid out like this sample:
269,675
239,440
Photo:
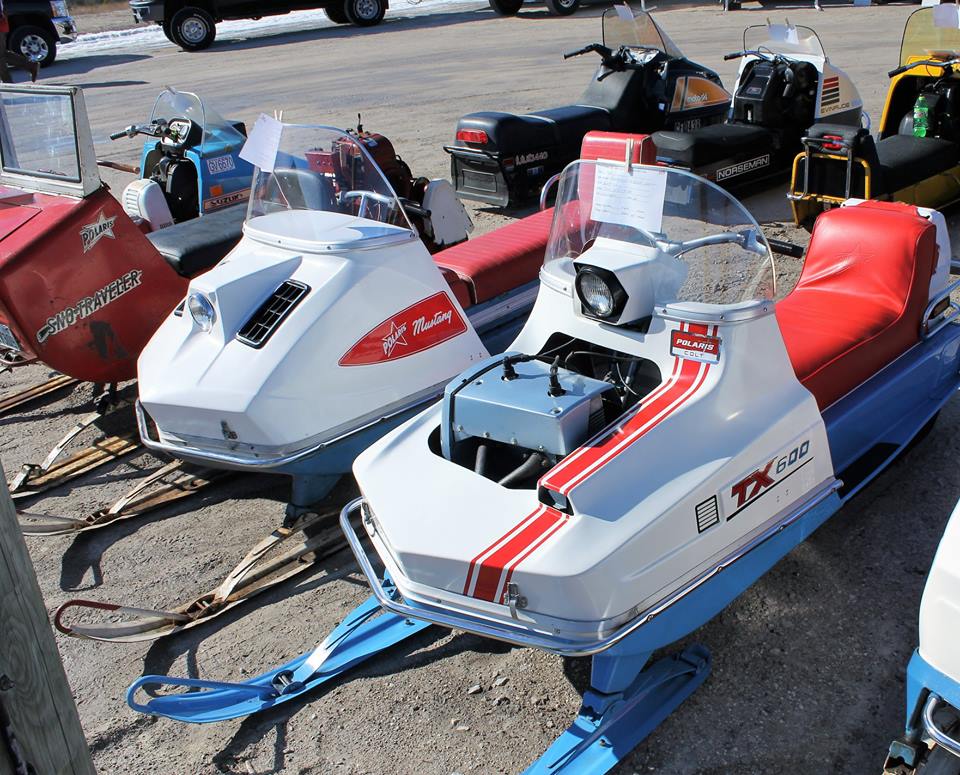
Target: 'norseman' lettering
421,324
86,306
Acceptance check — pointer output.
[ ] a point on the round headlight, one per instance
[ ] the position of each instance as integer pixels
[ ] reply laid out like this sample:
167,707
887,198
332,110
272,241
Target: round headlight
201,310
596,295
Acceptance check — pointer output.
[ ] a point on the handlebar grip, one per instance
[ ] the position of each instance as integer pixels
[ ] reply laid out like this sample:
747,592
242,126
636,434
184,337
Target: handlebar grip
118,135
897,70
785,248
734,55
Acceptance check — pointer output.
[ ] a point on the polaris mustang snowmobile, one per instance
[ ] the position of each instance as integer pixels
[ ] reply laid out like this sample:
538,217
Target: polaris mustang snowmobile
643,83
931,743
658,436
916,155
785,84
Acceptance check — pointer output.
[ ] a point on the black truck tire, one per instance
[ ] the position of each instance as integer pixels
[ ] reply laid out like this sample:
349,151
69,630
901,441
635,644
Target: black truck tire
365,13
34,43
167,33
506,7
562,7
337,12
193,29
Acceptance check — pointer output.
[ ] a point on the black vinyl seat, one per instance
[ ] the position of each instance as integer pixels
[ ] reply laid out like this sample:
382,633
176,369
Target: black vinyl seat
712,143
196,245
905,160
572,122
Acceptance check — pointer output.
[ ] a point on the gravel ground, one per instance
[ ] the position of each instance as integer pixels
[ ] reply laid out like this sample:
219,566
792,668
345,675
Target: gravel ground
808,664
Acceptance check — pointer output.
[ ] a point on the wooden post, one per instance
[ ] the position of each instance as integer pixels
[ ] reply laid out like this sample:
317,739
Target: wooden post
37,711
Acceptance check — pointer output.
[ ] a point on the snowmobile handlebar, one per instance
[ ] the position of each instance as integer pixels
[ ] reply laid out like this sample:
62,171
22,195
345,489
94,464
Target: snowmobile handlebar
946,64
602,50
157,128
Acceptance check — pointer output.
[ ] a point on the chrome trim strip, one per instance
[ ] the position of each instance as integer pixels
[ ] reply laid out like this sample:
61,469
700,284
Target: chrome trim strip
545,191
520,636
930,326
930,727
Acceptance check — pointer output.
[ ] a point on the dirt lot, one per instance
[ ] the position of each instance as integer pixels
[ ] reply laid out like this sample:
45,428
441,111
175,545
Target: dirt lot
808,664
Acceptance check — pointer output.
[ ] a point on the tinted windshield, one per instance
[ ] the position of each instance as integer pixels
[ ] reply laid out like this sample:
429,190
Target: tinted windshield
639,32
707,248
320,170
217,131
38,135
931,32
786,39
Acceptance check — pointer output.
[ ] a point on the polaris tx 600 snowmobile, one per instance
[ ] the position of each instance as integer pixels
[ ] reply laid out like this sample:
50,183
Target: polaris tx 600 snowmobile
916,155
785,84
644,83
658,436
930,744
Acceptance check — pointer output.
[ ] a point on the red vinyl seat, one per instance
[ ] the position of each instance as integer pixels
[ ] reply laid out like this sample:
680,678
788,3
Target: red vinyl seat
502,260
861,296
512,255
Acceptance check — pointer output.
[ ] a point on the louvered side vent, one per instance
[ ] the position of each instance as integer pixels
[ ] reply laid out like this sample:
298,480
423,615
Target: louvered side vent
266,320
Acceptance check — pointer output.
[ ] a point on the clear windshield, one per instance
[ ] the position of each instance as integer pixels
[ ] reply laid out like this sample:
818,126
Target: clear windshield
38,135
641,31
700,243
786,39
217,131
320,169
931,32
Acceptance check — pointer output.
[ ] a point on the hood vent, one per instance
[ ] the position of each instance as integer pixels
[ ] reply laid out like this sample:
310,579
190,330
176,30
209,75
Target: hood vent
260,327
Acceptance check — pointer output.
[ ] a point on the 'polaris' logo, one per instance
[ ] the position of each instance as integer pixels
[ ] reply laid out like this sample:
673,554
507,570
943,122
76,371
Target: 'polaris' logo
395,337
743,167
695,347
92,233
530,158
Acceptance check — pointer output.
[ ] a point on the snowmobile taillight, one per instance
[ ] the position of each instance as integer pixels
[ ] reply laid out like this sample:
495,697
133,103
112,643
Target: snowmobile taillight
477,136
600,293
837,145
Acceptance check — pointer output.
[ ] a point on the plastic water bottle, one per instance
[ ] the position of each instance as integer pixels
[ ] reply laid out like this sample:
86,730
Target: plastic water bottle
921,117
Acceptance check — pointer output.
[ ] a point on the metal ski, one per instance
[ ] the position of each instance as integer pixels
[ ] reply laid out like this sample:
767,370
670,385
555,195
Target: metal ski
14,401
361,635
135,503
257,571
34,479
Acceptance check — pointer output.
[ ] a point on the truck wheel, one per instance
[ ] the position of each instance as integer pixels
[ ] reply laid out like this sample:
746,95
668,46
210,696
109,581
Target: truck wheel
35,43
167,32
562,7
193,29
337,13
506,7
365,13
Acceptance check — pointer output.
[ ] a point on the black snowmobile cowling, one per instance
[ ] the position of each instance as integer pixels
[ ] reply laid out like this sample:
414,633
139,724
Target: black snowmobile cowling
643,84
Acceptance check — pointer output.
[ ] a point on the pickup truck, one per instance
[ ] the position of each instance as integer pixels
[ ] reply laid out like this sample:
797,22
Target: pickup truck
192,24
36,27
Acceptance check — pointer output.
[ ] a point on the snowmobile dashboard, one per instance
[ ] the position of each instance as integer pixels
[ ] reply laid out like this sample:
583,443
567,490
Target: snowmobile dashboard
623,58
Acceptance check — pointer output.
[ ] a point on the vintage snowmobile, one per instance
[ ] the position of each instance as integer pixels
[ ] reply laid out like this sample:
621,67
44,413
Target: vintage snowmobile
785,84
658,436
139,253
643,83
931,742
916,155
254,353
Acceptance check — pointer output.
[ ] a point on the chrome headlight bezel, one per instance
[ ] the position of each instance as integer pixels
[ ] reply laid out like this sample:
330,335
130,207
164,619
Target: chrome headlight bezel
201,309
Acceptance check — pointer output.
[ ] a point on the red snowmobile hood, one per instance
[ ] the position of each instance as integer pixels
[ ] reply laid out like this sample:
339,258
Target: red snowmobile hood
13,216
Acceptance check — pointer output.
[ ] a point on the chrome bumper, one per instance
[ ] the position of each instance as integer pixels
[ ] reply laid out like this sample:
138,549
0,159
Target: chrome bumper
934,732
520,634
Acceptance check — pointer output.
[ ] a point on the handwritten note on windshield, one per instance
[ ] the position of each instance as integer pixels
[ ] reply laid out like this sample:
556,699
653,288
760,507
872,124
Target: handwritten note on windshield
629,197
262,143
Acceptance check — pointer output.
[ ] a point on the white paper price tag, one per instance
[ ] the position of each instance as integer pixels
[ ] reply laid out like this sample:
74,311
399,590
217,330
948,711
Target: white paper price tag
624,12
262,143
629,197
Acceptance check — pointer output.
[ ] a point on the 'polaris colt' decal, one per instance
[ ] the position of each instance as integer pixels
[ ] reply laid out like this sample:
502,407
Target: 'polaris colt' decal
742,168
92,233
767,476
699,347
419,327
86,306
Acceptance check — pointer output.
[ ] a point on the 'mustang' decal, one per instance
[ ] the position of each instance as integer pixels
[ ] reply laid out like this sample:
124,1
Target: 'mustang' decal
418,327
